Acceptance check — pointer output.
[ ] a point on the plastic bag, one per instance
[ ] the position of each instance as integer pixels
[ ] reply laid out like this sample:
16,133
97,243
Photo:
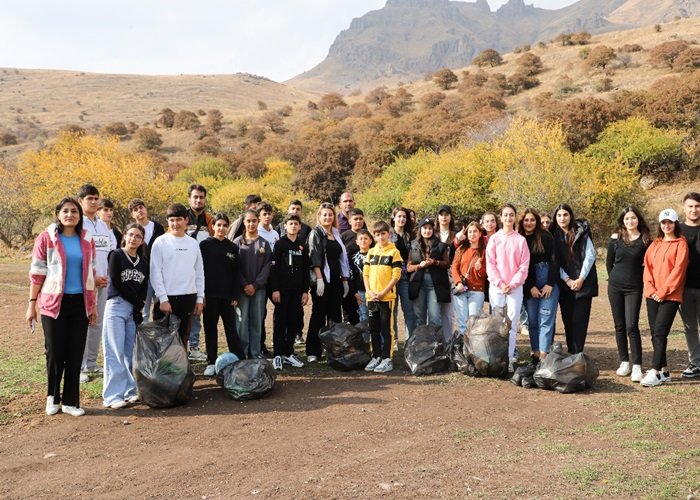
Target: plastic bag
247,378
347,346
486,344
425,351
161,369
455,353
224,359
524,376
566,373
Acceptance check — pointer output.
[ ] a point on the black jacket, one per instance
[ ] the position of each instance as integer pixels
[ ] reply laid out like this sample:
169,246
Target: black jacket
290,268
571,261
221,273
439,272
317,252
549,255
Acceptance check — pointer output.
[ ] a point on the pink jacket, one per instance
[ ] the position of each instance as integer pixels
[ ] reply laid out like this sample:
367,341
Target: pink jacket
507,259
47,270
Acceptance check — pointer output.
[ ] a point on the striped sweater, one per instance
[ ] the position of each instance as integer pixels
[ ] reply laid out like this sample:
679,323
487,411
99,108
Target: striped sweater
47,270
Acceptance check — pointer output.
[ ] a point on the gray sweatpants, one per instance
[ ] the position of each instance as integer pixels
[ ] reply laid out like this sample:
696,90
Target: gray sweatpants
690,313
94,333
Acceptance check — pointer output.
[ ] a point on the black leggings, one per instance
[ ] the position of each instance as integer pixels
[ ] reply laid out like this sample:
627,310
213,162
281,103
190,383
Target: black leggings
220,308
661,316
625,306
575,314
64,341
324,309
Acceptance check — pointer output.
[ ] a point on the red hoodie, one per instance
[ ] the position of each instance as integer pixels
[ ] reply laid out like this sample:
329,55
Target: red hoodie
664,269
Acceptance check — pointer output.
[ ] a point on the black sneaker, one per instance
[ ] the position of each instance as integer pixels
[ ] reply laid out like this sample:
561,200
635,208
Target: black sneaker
691,372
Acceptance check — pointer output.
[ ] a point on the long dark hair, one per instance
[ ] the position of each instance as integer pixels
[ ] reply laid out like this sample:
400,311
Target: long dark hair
569,234
480,246
676,230
642,226
141,250
79,225
425,249
408,228
538,246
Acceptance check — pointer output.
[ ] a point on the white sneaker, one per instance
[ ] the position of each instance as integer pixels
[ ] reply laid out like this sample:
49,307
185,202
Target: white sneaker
277,363
637,373
197,355
664,375
311,359
84,378
298,341
133,399
624,369
373,363
73,410
116,405
651,379
293,360
51,409
385,366
210,371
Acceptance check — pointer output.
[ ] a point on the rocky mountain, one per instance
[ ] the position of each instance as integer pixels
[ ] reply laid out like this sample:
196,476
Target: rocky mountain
408,38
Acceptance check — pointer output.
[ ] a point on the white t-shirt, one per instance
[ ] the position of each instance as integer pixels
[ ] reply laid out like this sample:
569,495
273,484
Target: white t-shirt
105,242
148,229
270,236
176,267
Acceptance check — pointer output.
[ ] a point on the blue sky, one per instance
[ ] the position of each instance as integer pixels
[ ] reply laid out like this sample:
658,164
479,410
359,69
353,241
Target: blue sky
274,38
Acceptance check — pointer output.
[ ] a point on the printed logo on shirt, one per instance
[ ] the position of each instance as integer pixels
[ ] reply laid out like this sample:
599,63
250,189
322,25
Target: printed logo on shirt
132,275
231,255
101,242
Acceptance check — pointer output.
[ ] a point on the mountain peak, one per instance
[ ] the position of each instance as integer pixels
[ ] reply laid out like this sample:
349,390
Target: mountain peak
515,8
418,4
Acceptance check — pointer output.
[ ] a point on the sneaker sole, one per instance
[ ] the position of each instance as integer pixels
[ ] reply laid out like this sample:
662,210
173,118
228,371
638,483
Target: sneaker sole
694,375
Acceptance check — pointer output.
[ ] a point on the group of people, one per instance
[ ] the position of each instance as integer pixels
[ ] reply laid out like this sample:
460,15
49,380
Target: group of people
94,284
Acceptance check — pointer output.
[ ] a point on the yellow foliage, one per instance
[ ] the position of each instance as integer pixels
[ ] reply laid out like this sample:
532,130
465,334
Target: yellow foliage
61,168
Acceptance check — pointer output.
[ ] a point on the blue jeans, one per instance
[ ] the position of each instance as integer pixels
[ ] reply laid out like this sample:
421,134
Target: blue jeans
194,332
426,308
250,317
542,313
467,304
406,307
362,308
118,337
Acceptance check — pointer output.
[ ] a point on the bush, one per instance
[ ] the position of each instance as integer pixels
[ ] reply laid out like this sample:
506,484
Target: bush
445,78
208,145
326,167
488,57
166,118
262,105
529,64
630,47
582,119
214,120
116,128
600,56
688,60
359,110
8,139
580,38
273,121
432,99
603,85
674,101
186,120
148,138
521,81
664,55
331,101
377,96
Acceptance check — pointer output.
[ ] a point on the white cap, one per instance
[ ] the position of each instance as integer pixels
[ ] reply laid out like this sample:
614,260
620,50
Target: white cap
668,214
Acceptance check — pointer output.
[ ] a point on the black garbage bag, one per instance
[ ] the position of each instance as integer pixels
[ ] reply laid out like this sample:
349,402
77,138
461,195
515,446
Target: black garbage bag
566,373
347,346
524,376
425,351
486,343
455,353
161,369
247,378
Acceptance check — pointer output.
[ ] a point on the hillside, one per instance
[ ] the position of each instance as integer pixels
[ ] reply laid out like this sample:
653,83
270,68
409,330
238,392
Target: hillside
409,38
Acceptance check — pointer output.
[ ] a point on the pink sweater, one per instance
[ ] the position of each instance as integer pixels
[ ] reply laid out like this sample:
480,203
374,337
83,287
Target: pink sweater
507,259
47,270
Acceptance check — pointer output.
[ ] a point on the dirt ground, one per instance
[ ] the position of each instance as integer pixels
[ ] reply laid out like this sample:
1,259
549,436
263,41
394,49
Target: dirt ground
327,434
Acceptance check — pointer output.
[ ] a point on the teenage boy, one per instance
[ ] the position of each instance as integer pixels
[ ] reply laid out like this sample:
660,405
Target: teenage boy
200,225
139,212
357,263
105,242
289,282
237,227
296,208
690,308
381,272
357,222
177,273
220,258
106,214
266,232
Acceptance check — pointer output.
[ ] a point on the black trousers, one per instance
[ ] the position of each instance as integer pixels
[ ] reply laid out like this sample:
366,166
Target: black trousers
625,305
182,306
575,314
323,309
64,343
286,321
351,310
220,308
381,317
661,316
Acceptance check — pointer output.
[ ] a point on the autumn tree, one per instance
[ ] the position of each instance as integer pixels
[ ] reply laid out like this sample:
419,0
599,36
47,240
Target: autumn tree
215,120
529,64
582,119
148,138
432,99
665,54
116,128
377,96
445,78
488,57
326,167
331,101
599,57
208,145
166,118
186,120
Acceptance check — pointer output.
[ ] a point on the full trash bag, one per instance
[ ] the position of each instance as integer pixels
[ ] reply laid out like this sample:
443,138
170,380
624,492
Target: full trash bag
161,369
486,344
566,373
347,346
524,376
247,378
425,351
455,353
